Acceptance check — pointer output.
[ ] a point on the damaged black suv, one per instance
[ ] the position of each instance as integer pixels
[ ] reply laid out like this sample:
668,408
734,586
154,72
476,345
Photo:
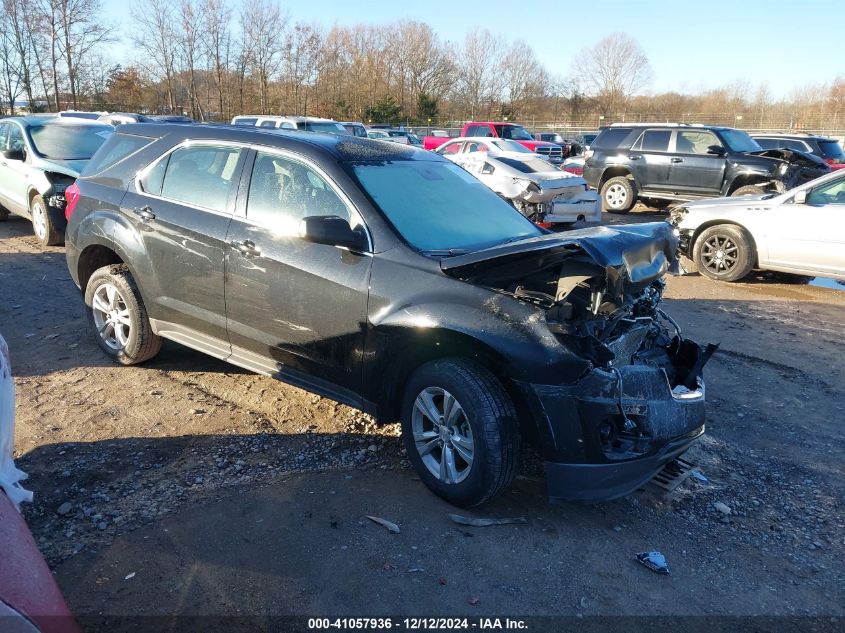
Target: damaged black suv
660,164
389,279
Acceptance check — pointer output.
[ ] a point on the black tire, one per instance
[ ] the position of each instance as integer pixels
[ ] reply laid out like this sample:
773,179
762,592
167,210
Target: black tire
4,215
489,414
619,195
737,252
141,344
48,224
749,190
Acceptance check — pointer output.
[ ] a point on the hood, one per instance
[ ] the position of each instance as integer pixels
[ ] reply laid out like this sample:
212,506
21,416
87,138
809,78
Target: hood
533,145
763,200
791,156
70,168
633,255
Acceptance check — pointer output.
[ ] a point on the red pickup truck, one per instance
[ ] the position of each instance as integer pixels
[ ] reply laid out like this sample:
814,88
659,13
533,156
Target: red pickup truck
550,151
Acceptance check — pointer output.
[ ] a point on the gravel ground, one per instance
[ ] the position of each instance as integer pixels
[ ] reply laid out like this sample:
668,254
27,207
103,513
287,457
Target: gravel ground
176,470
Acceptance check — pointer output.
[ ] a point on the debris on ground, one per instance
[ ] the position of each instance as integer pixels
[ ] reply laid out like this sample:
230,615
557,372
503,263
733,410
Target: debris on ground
722,507
655,561
130,576
697,474
473,601
480,522
391,527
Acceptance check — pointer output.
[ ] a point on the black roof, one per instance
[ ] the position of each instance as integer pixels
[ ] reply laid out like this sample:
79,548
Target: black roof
340,147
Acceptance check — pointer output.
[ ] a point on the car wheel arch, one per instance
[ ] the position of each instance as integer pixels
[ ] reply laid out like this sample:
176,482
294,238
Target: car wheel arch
92,258
426,346
616,172
746,179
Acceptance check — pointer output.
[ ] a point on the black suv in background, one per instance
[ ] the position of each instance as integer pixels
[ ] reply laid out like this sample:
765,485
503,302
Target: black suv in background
828,149
383,277
676,162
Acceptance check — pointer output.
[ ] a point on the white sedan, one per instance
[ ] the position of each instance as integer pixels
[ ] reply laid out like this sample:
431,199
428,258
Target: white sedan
801,231
537,188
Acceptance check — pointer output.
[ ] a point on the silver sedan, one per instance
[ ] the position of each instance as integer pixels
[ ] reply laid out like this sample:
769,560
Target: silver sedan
801,231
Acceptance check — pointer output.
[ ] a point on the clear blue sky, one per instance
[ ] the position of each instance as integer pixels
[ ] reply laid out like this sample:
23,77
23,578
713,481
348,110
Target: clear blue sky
692,44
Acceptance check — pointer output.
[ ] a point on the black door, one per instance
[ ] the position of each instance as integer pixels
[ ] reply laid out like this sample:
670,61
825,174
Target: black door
295,307
694,168
181,211
650,161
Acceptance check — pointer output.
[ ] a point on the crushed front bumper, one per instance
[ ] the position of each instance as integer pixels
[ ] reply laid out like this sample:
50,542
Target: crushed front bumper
600,444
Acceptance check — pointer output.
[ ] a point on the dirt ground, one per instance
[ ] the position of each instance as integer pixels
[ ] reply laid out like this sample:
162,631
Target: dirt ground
188,486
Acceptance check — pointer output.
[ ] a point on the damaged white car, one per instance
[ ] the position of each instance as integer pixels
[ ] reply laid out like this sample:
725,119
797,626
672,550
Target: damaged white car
534,186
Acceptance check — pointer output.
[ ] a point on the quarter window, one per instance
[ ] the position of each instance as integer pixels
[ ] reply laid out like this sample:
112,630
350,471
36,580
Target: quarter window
200,176
282,192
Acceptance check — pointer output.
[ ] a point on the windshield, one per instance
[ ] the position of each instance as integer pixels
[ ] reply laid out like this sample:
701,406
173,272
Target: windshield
511,146
422,199
68,141
533,166
831,150
739,141
331,128
515,132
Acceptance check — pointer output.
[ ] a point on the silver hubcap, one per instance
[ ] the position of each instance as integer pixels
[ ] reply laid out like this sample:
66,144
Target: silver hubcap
39,220
111,316
442,435
719,254
616,196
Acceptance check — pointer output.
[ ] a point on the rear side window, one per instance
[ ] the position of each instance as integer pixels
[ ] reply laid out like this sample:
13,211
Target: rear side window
201,176
118,147
654,141
767,143
267,124
831,149
245,121
610,138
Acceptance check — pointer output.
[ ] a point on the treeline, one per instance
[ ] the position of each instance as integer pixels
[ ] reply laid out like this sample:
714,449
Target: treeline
204,59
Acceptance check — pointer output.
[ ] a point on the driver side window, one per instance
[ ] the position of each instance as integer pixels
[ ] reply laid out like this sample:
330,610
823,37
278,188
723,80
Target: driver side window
283,191
16,142
831,193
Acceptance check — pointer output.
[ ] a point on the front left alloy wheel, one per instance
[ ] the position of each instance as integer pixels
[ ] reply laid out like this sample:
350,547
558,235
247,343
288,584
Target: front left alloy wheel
118,317
47,224
460,431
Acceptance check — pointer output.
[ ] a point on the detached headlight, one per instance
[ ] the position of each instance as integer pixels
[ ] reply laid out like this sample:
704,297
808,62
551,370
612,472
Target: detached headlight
677,215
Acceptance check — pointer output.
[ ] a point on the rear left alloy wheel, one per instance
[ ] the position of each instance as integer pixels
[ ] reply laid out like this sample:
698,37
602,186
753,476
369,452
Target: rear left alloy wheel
46,223
460,431
118,317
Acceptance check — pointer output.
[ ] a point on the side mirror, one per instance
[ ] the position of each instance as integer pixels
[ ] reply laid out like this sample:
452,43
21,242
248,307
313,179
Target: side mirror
13,154
333,231
800,197
718,150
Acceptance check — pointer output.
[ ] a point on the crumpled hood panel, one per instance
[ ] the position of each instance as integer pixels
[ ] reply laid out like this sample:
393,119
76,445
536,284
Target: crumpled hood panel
644,251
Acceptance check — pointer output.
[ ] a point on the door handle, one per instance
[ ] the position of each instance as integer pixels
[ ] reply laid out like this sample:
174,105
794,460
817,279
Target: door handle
677,160
635,157
247,248
145,213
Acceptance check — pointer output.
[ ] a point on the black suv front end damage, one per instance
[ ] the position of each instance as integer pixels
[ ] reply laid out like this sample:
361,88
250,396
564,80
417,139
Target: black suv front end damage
788,168
639,399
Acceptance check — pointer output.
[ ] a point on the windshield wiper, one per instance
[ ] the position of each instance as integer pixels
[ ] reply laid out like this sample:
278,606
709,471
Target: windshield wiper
445,252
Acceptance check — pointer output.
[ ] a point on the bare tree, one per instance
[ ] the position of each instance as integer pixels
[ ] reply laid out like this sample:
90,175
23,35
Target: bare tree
479,71
218,40
264,29
189,44
17,29
155,35
612,71
10,66
302,52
